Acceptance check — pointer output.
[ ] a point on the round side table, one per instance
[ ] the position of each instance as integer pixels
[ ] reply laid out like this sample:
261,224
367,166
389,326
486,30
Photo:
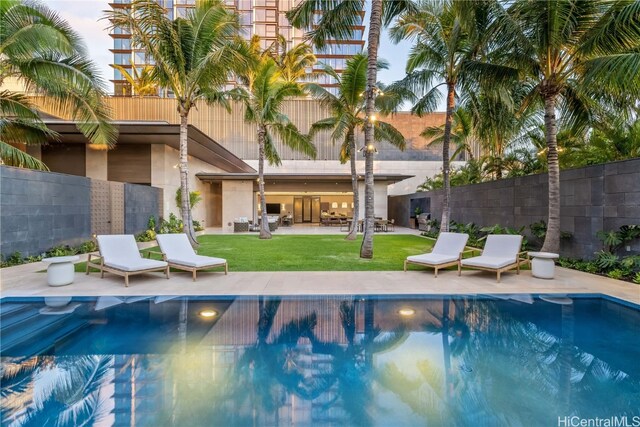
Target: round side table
543,265
60,271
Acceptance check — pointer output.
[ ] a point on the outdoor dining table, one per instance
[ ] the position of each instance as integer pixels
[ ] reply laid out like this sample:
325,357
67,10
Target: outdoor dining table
378,225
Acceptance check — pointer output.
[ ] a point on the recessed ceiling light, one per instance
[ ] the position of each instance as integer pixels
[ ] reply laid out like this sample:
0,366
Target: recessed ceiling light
208,313
406,312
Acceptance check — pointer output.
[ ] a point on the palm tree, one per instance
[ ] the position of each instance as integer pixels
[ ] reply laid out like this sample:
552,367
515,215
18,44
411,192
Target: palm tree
337,20
194,58
448,39
295,62
347,109
577,56
462,133
143,82
263,97
43,53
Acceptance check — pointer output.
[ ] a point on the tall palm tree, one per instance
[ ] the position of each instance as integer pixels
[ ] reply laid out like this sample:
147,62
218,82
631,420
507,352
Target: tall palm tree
347,115
43,53
263,97
448,38
194,58
143,82
577,55
337,20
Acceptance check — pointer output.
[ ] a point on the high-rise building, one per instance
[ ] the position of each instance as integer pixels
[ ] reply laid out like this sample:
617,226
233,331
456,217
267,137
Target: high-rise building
266,18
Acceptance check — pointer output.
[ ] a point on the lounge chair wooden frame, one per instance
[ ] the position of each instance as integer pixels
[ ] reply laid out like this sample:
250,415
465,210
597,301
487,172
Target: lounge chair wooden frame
193,270
436,267
519,260
102,267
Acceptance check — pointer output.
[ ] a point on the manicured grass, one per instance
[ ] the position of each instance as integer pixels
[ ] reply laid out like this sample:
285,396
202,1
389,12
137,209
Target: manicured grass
310,252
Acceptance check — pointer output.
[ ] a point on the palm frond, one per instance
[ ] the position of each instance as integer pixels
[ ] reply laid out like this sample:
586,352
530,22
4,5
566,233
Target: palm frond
290,136
384,131
13,156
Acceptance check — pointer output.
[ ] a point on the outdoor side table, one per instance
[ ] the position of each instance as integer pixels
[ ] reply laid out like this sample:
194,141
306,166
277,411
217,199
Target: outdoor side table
60,271
543,265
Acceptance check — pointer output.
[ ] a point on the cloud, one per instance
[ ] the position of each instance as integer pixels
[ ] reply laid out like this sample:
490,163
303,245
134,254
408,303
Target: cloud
84,16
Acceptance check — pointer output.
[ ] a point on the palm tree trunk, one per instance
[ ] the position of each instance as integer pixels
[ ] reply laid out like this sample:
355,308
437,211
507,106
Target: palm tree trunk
451,102
353,229
552,239
375,24
446,349
185,209
264,226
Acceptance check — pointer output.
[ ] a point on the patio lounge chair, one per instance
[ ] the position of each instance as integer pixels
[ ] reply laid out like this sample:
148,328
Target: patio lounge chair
501,253
119,255
178,252
446,252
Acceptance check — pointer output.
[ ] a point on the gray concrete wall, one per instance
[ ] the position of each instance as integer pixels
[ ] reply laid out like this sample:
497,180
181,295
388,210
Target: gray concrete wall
39,210
593,198
140,202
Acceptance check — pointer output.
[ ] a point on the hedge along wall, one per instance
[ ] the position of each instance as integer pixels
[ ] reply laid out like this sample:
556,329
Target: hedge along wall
593,198
40,210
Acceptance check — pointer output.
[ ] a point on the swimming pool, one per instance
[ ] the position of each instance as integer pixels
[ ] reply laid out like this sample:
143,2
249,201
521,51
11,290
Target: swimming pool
330,360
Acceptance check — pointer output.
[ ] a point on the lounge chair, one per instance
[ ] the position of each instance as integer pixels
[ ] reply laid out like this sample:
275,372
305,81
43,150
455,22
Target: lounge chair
179,253
501,253
119,255
446,252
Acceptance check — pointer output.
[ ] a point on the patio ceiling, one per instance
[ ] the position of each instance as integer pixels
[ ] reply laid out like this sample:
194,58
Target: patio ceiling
200,145
299,178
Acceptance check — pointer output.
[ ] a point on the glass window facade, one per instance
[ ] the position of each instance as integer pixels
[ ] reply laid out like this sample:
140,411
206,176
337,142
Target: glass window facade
122,44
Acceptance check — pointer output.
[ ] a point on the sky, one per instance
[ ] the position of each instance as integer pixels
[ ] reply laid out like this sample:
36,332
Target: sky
85,17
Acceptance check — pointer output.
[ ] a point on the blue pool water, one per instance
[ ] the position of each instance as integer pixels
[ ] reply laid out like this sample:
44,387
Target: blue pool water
336,360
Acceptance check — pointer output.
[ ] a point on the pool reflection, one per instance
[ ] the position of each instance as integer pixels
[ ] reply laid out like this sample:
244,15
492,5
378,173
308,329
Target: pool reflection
317,361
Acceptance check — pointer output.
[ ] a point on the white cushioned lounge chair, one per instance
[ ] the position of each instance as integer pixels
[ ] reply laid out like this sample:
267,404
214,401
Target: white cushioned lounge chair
446,252
179,253
119,255
501,253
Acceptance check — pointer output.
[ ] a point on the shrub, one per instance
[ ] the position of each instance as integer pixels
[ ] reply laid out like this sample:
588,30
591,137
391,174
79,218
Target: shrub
172,226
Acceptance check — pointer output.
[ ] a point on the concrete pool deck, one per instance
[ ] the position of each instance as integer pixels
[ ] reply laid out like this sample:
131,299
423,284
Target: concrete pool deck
29,281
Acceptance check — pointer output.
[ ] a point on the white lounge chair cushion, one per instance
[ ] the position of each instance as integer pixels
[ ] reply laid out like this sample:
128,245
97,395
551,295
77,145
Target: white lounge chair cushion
499,251
488,262
178,250
447,249
450,243
503,246
432,259
128,264
197,261
122,247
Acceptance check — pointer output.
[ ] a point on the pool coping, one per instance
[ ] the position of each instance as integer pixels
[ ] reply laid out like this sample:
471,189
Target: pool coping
26,280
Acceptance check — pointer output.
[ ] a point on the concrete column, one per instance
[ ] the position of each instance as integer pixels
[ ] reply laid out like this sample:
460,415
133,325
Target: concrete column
96,163
237,201
380,199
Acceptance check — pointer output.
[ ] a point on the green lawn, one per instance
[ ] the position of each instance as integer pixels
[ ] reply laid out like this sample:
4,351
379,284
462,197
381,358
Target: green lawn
309,252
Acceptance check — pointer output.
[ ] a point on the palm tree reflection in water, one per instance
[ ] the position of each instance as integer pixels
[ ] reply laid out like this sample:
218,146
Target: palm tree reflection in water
474,360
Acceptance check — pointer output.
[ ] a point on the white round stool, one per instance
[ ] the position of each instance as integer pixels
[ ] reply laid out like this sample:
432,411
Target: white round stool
543,265
60,271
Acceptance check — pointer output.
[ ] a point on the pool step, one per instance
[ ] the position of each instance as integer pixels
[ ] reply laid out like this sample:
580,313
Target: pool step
24,331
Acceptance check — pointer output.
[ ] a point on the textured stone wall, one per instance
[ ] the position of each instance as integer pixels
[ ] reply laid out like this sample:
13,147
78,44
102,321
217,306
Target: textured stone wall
39,210
140,202
593,198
